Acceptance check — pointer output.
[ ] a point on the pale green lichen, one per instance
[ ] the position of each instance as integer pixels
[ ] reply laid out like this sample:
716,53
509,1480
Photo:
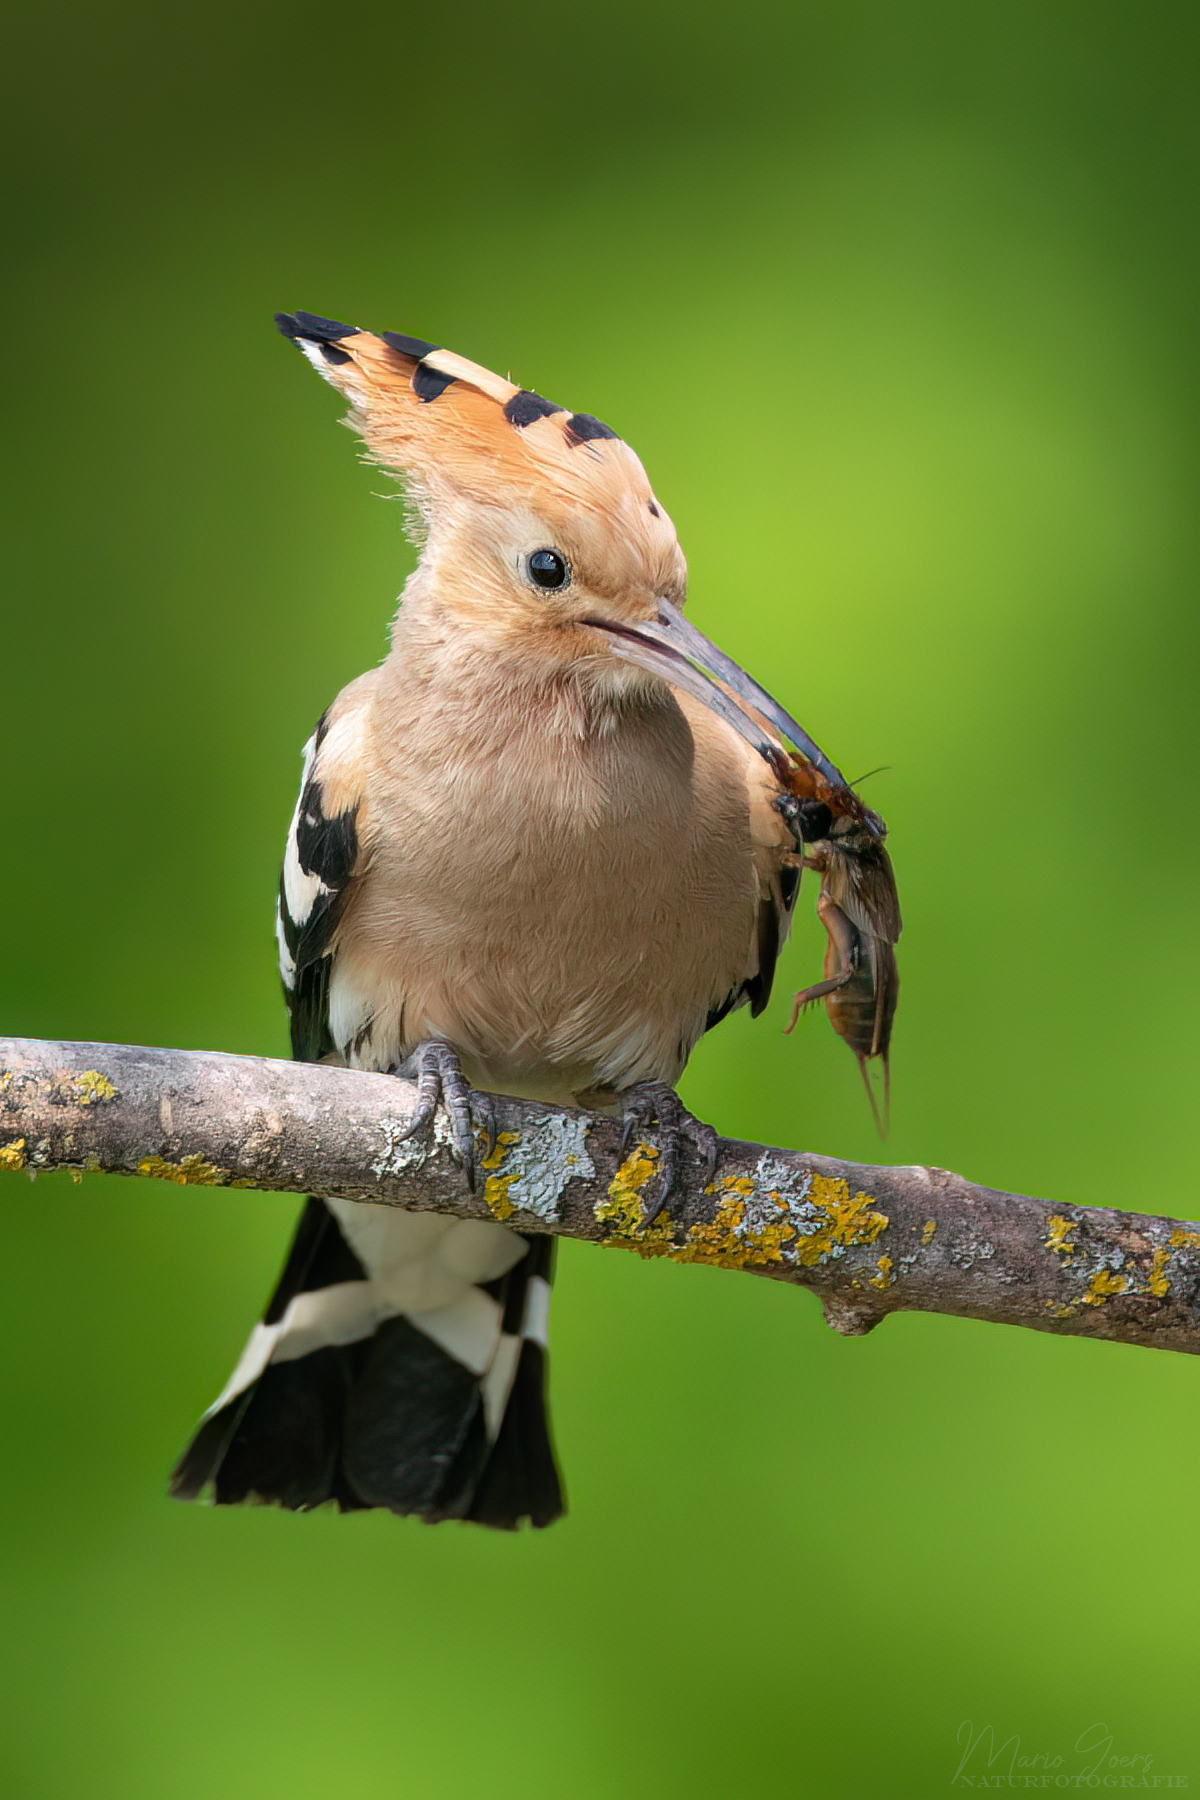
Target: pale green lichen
402,1151
528,1170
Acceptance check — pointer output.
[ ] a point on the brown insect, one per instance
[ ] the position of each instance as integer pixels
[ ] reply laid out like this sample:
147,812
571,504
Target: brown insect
843,840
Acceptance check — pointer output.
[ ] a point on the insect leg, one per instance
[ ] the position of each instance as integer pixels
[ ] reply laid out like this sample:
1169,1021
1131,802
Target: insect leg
844,943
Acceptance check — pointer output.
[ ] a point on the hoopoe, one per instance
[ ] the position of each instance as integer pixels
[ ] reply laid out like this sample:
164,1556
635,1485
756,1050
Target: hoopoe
539,852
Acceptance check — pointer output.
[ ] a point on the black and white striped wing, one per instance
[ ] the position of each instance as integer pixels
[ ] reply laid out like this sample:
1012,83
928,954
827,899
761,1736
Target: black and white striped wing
314,887
401,1361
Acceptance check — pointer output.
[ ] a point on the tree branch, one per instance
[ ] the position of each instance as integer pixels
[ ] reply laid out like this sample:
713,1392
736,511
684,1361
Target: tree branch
868,1241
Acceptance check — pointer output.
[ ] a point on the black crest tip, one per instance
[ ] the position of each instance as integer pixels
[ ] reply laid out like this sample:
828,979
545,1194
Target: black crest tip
527,406
428,383
408,346
581,428
312,326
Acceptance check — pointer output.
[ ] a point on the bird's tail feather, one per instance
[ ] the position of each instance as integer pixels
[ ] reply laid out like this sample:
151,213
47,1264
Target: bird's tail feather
401,1363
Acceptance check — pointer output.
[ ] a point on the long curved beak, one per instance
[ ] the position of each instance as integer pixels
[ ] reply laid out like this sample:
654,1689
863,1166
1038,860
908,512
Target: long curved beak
672,648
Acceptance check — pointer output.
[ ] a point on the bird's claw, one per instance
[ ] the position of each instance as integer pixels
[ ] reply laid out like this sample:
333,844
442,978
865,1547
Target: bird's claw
655,1105
438,1073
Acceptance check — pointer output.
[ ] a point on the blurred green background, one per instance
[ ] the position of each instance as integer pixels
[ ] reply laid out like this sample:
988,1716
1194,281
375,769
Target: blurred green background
897,303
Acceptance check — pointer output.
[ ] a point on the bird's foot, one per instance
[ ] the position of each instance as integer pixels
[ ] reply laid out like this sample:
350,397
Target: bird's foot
656,1104
435,1067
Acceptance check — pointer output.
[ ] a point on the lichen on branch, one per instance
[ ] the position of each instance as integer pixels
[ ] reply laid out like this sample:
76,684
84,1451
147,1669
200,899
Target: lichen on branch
867,1240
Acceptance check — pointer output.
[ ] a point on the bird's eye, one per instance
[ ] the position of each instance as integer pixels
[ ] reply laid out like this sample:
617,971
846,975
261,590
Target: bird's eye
547,569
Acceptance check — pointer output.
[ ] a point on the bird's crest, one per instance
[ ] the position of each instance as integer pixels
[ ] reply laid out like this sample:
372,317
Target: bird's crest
439,419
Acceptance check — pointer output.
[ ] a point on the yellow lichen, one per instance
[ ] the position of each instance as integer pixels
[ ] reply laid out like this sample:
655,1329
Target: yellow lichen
1103,1285
90,1088
727,1239
12,1156
734,1238
884,1277
1184,1240
495,1188
849,1221
191,1171
1157,1280
624,1206
1058,1238
927,1231
495,1192
504,1142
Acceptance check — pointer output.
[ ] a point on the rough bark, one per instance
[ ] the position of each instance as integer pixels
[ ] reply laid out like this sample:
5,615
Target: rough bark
867,1240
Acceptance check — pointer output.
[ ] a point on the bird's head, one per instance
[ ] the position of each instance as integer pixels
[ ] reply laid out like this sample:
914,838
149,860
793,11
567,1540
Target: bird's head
538,526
